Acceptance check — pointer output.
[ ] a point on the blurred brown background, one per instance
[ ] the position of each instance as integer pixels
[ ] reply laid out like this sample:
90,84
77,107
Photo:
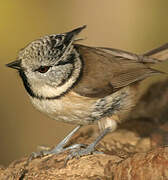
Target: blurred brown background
136,26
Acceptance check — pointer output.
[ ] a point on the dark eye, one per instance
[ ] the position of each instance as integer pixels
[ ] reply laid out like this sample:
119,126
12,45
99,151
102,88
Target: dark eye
43,69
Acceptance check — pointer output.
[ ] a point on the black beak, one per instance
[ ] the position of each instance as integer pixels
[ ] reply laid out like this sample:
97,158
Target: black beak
70,35
14,64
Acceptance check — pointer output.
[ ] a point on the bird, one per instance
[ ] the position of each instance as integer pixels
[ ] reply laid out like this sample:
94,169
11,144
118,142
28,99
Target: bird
82,85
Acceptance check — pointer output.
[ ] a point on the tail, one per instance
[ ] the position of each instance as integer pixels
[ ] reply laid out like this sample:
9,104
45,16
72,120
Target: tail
159,54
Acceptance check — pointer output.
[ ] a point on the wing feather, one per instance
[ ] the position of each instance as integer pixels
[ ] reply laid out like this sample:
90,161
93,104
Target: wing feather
106,70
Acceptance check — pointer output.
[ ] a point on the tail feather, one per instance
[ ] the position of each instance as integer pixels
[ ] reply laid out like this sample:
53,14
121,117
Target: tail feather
159,54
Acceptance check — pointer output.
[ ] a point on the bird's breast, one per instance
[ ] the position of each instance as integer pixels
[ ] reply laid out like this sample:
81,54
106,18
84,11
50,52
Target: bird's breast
71,108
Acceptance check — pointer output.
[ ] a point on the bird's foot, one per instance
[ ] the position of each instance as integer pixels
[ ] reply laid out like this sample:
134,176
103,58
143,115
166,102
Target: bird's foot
59,148
89,149
77,153
56,150
77,150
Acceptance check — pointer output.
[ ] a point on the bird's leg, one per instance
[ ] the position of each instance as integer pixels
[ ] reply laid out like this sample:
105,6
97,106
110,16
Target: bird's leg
89,149
60,147
108,125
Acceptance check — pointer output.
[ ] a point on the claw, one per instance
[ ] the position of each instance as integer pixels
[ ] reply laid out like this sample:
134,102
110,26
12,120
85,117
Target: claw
81,152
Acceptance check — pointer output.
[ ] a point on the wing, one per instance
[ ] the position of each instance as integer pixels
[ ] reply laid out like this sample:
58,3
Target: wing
107,70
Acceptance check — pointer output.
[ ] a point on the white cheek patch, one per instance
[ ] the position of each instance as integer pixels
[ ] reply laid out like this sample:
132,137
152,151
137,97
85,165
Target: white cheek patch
46,91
